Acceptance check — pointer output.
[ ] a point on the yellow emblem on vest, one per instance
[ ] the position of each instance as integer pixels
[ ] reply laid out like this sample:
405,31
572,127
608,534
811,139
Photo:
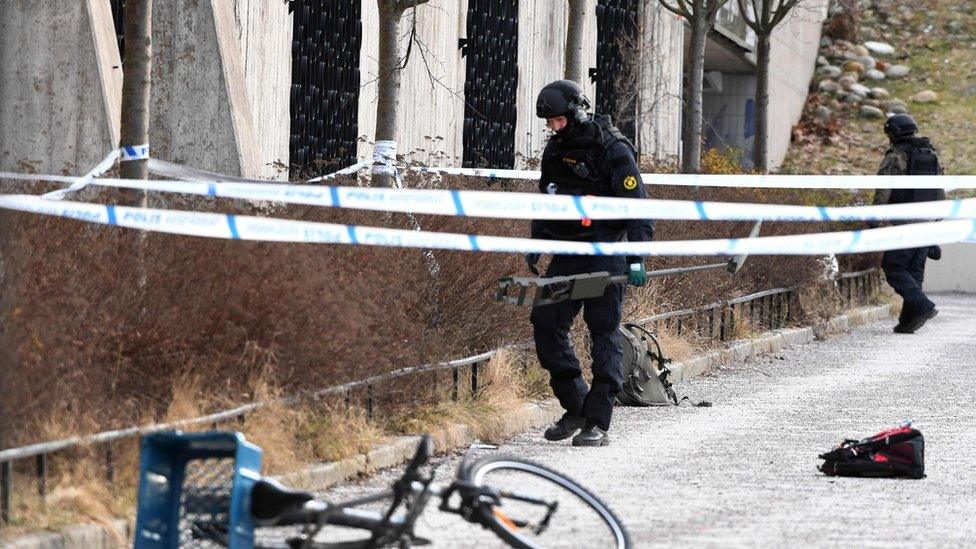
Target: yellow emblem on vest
630,183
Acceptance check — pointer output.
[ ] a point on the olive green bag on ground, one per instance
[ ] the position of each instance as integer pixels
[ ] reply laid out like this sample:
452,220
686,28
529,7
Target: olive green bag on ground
645,369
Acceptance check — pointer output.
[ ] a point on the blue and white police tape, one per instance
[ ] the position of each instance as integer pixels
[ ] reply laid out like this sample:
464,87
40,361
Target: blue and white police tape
751,181
78,183
509,205
227,226
134,152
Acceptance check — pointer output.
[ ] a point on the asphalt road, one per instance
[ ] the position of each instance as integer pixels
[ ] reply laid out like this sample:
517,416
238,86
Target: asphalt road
743,473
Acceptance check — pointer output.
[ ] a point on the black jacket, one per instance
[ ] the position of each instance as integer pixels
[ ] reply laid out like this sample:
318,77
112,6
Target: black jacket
592,158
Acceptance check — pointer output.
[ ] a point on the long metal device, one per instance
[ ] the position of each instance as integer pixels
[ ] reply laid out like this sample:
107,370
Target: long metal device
539,291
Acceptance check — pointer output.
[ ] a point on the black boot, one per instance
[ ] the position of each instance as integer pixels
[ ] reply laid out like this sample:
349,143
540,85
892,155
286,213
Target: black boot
564,428
919,320
591,435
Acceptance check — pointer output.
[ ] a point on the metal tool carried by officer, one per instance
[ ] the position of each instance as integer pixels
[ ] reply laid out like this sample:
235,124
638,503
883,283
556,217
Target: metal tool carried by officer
538,291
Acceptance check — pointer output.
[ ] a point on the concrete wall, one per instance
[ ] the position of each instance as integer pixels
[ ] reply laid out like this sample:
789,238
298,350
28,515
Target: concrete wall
729,113
795,46
265,33
432,110
60,85
955,272
432,86
659,105
213,107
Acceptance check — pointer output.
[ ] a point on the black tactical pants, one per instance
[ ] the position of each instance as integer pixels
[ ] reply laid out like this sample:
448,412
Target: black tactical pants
905,271
551,324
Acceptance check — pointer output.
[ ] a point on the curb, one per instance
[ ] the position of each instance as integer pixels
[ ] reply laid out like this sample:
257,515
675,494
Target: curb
532,416
743,350
85,536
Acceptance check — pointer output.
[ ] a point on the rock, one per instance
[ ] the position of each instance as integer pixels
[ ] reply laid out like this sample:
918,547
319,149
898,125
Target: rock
826,42
868,62
873,103
829,71
854,66
869,128
927,96
860,89
823,113
970,91
843,45
897,71
955,26
853,98
880,48
829,86
874,74
860,50
847,81
867,111
822,61
898,109
879,93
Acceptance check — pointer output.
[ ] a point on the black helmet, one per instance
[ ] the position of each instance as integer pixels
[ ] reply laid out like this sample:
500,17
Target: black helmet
562,98
900,125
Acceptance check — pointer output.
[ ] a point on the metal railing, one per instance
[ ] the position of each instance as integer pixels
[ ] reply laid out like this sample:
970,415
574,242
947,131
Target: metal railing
722,321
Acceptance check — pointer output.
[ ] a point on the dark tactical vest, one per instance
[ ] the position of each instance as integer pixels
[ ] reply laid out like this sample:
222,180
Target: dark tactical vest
922,160
577,164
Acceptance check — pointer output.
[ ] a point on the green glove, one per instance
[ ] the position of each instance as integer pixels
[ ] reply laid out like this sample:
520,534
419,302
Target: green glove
637,274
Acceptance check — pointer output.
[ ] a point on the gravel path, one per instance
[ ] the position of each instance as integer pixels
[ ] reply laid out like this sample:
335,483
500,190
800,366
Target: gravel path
743,473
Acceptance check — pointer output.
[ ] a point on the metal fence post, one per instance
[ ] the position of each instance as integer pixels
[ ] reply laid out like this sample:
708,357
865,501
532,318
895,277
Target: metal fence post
6,472
109,464
474,379
42,476
369,402
456,377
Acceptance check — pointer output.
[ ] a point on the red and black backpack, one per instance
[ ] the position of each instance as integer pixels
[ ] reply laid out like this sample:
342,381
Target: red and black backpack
898,452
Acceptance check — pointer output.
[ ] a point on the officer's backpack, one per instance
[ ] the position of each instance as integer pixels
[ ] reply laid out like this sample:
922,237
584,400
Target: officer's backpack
922,160
898,452
645,369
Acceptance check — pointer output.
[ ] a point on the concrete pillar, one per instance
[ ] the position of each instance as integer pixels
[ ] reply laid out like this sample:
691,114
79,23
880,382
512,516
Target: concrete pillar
61,85
221,72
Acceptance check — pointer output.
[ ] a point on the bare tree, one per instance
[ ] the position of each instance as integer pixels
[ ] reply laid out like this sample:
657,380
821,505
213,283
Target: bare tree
391,65
574,41
764,17
700,15
136,77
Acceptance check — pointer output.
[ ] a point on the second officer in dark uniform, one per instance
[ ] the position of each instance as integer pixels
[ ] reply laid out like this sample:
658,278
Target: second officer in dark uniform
585,156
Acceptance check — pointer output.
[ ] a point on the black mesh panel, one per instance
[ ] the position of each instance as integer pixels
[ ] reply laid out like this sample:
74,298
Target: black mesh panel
491,83
325,84
617,38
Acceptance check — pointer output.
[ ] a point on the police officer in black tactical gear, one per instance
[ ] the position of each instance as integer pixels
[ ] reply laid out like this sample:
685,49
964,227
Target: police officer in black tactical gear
585,156
905,269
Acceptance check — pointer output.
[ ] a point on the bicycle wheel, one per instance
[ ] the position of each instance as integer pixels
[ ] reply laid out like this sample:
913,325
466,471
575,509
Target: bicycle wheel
539,507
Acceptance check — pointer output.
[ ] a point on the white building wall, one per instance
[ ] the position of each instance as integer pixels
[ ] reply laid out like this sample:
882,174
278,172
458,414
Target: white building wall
955,272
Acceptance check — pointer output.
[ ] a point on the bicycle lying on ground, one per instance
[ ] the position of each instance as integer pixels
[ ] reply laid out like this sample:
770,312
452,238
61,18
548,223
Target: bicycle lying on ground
205,490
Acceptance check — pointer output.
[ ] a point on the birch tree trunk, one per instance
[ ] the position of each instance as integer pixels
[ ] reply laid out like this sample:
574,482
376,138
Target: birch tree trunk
574,41
692,134
760,153
136,82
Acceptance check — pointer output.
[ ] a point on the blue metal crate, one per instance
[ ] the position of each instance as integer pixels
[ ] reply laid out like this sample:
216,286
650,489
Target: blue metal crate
195,490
